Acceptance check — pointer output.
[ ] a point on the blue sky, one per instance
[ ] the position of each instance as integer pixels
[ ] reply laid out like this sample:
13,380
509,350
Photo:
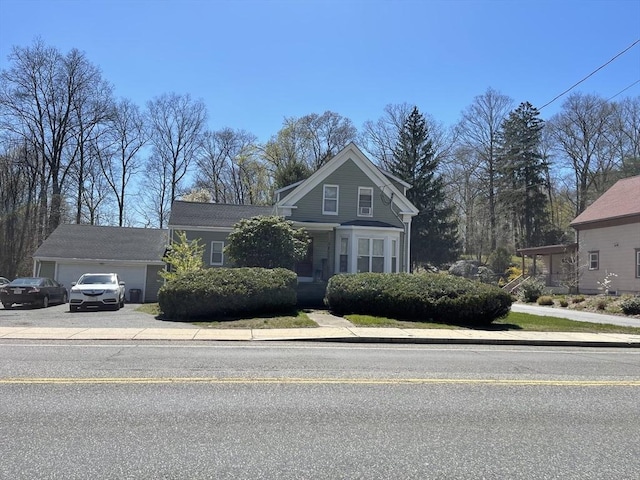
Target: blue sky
256,62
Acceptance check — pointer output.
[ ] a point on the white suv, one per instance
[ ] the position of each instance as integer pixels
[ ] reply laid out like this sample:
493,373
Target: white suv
95,290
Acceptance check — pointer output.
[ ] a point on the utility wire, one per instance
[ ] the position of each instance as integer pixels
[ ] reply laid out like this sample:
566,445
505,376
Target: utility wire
591,74
623,90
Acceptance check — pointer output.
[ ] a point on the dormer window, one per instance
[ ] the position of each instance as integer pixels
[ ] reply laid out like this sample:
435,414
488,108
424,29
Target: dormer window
365,201
330,200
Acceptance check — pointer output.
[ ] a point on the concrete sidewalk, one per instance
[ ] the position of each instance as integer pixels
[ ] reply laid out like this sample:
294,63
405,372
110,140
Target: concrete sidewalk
331,329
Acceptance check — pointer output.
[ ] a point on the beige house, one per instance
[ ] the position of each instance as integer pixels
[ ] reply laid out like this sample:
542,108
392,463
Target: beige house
608,237
607,247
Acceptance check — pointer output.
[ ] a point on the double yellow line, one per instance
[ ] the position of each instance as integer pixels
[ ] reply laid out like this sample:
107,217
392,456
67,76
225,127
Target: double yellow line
316,381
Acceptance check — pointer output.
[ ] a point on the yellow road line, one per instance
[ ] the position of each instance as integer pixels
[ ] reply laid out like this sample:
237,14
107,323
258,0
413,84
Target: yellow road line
318,381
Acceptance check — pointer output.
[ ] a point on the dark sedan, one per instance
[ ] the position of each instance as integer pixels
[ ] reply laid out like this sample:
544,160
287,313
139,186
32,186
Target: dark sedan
33,291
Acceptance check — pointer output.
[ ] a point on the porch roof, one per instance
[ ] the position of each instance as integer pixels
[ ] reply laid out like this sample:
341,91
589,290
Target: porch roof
548,249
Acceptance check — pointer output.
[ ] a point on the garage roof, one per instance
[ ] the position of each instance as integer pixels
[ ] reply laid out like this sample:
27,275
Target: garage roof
91,242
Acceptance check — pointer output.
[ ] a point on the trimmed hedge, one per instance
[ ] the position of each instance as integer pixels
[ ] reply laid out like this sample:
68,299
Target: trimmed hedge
631,306
228,292
418,297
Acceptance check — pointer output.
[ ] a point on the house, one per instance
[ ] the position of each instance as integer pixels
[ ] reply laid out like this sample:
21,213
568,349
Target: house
357,216
608,237
133,253
607,245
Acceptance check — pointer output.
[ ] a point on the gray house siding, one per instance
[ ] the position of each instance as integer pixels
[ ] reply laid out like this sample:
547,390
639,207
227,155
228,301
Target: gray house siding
349,177
47,269
206,237
153,283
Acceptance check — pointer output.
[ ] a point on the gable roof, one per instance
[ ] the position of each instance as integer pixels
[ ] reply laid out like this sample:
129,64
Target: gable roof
198,214
351,152
621,200
91,242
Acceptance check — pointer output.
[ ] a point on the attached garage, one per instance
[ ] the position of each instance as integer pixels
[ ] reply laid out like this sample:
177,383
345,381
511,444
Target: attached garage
133,253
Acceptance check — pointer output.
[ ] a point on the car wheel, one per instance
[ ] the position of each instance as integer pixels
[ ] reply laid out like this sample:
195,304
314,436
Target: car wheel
45,302
65,298
122,303
7,306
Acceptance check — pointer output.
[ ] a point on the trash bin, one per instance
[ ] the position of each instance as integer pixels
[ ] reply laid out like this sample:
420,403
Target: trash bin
134,295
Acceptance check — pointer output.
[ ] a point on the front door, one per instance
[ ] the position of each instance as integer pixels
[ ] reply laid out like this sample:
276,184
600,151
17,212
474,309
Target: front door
304,268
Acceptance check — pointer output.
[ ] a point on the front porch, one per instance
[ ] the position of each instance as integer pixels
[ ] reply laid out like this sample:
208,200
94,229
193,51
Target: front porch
554,265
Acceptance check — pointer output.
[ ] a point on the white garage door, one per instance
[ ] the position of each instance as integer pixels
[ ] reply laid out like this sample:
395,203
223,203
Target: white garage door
134,277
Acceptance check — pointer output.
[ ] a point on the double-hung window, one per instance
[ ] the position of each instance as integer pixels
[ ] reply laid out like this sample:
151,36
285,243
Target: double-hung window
370,255
344,255
330,200
638,263
217,253
365,201
594,260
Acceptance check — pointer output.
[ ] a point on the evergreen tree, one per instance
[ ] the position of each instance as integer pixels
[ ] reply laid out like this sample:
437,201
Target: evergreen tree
521,170
433,232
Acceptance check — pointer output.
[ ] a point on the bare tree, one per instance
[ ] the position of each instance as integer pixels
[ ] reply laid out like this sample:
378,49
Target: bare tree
327,134
119,159
176,125
625,135
39,96
478,132
579,131
379,138
19,183
154,205
220,166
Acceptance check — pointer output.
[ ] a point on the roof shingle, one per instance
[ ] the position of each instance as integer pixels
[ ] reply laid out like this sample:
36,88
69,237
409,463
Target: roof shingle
91,242
621,200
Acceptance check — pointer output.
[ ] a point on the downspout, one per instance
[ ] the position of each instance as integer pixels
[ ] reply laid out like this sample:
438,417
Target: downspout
407,235
577,266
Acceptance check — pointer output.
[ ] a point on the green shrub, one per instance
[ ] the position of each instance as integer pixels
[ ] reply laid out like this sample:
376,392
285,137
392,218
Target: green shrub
578,299
418,297
631,306
601,304
531,289
228,292
545,300
564,303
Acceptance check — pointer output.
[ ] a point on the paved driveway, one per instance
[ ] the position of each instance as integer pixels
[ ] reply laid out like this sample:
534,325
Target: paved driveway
59,316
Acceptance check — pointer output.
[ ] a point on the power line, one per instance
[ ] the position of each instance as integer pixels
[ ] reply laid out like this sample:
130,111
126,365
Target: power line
591,74
623,90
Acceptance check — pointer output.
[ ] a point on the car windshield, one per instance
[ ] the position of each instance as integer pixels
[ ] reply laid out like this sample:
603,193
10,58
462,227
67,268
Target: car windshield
96,279
26,281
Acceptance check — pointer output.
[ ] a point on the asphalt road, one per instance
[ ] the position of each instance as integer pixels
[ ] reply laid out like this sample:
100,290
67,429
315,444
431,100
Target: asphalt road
291,411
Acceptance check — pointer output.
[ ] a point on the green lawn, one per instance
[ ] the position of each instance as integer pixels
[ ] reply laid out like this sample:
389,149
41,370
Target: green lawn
299,320
514,321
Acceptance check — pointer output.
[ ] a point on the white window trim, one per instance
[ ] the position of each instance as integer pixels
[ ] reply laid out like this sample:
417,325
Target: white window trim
324,198
637,262
211,262
354,233
595,254
370,190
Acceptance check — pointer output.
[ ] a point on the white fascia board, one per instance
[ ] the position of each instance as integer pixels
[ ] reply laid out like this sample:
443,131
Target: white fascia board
111,261
370,229
199,228
315,226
